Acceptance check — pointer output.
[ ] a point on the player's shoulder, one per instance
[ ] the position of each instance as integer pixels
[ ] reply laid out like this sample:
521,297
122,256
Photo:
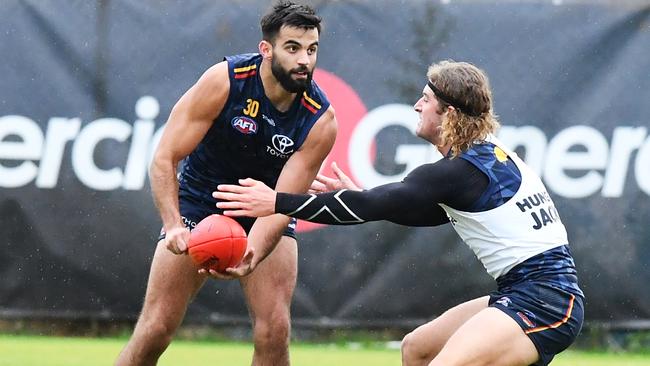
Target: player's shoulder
243,66
243,58
214,80
479,148
452,168
327,121
316,94
314,100
486,150
324,130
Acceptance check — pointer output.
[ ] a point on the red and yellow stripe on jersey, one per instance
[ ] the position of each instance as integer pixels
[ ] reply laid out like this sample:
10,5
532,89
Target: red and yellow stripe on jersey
245,71
309,103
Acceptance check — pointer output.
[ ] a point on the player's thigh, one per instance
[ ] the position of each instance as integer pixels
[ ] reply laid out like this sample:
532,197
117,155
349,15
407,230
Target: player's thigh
429,338
173,282
270,287
490,337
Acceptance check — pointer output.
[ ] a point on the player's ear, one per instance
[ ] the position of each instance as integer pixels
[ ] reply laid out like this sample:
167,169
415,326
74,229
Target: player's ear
266,49
450,109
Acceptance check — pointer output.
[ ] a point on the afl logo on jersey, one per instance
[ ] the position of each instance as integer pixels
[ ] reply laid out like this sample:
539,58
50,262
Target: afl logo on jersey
244,125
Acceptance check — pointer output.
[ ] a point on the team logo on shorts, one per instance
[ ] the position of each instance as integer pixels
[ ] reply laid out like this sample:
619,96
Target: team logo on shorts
188,223
526,319
505,301
244,125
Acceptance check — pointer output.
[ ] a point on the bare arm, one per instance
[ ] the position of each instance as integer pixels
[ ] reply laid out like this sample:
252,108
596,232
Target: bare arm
296,177
188,123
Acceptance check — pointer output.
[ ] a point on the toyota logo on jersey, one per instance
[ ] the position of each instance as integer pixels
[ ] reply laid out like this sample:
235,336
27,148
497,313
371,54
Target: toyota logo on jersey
244,125
282,144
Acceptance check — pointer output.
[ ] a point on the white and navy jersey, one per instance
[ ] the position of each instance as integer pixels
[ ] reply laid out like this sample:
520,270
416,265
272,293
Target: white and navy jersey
496,203
521,227
250,137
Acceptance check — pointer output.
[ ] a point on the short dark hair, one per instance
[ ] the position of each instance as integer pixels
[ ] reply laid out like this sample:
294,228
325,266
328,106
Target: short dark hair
291,14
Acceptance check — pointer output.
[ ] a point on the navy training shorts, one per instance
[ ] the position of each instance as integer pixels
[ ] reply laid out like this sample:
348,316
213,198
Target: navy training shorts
550,317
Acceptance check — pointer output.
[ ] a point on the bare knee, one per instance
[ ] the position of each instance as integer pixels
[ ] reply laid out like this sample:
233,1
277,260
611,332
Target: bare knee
155,333
416,352
272,333
149,340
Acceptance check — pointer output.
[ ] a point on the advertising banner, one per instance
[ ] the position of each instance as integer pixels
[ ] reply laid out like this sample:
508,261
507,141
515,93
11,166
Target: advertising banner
86,88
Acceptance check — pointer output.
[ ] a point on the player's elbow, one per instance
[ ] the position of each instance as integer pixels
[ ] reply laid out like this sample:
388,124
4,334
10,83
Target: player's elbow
370,209
160,164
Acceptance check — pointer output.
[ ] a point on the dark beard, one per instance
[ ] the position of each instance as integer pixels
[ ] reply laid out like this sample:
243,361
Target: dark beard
288,83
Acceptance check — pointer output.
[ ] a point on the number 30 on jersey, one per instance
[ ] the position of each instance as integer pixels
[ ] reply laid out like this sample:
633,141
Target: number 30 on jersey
252,107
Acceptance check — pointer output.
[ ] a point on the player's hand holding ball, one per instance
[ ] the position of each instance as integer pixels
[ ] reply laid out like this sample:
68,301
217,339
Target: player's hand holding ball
216,243
176,239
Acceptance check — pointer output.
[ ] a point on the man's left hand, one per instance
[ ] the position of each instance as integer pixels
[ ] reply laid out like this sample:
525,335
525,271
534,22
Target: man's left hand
251,198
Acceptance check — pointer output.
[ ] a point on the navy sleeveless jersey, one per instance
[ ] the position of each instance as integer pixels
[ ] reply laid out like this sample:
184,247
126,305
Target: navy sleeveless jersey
250,138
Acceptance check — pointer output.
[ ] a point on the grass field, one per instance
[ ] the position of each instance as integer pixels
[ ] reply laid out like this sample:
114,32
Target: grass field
60,351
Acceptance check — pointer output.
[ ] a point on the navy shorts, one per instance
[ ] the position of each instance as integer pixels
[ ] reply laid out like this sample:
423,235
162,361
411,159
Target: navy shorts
551,317
193,212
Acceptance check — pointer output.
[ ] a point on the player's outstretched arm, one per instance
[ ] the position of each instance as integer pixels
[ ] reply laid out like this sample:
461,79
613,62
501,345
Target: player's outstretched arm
410,202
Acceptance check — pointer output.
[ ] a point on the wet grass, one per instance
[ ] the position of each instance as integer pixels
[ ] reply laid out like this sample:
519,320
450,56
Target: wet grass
26,350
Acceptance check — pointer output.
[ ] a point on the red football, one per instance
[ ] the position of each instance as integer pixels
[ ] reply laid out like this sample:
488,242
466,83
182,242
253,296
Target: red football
217,242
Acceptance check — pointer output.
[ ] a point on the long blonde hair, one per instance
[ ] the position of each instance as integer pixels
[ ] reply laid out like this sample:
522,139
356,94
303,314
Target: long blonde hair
466,88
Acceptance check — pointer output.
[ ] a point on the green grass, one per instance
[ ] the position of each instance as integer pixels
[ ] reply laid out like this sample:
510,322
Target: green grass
54,351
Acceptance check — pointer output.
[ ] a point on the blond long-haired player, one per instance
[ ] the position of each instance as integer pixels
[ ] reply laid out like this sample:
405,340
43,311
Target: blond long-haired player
498,206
